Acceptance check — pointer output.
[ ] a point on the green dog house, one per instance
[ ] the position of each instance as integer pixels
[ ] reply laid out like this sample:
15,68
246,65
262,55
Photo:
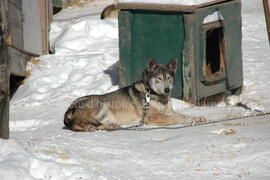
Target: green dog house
208,51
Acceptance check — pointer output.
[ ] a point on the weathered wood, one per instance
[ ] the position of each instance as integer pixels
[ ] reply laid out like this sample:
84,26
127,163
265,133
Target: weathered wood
4,71
15,19
32,26
17,59
189,85
267,16
64,4
44,10
36,26
157,7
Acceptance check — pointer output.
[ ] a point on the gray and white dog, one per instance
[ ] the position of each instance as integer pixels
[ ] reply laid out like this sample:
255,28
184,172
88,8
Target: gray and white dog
126,106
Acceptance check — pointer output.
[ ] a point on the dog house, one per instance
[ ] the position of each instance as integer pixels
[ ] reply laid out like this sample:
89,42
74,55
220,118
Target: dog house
205,38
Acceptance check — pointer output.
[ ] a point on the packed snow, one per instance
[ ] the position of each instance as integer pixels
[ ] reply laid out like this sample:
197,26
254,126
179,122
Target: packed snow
85,62
216,16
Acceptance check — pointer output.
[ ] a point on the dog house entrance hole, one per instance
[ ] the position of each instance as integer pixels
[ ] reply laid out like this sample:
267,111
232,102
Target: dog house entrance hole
214,39
213,66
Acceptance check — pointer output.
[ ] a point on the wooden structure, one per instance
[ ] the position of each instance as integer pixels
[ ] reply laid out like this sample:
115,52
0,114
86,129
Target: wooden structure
28,32
4,71
24,34
209,54
267,16
63,3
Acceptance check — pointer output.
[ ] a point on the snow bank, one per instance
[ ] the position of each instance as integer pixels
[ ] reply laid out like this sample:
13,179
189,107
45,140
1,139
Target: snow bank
59,77
84,36
84,52
88,7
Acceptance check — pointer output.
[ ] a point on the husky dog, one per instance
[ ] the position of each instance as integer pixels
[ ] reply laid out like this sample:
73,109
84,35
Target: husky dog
126,105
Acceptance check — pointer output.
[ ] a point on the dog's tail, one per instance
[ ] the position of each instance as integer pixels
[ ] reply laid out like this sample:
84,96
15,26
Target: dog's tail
69,118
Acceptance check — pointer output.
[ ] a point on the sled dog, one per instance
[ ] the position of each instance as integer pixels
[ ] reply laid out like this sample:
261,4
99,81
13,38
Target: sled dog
126,106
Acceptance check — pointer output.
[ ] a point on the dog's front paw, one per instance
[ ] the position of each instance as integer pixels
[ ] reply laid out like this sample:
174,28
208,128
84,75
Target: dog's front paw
113,126
198,120
109,126
89,128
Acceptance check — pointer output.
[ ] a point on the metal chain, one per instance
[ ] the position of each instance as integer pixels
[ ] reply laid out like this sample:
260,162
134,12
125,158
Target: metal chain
140,128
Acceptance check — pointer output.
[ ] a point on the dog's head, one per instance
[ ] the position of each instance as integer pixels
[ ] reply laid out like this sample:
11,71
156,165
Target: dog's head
160,77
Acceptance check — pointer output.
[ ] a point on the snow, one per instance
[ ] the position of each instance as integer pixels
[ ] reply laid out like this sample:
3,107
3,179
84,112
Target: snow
85,62
216,16
88,7
191,153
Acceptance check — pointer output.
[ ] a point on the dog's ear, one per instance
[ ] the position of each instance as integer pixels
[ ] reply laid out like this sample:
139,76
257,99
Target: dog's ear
144,75
151,65
173,65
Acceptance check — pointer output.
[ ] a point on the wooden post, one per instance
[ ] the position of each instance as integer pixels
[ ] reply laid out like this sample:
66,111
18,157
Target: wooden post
64,4
44,20
267,16
4,71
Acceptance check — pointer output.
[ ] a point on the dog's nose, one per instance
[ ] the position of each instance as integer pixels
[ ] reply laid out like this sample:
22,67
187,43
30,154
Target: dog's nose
167,90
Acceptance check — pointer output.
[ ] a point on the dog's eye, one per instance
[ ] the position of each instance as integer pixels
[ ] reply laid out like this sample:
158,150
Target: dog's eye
168,78
159,78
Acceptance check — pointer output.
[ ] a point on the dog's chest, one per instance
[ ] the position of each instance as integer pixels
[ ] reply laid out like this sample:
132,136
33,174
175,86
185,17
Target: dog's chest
158,106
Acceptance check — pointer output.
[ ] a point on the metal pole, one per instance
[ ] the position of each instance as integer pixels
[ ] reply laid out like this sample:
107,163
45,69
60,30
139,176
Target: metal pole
267,16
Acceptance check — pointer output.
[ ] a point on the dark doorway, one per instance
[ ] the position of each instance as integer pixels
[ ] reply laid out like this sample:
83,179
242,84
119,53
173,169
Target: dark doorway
214,38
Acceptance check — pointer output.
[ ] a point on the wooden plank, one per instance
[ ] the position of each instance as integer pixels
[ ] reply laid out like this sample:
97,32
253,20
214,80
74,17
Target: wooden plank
213,3
4,72
57,3
15,38
267,16
44,9
157,7
31,26
18,62
17,3
125,45
189,52
36,26
15,24
64,4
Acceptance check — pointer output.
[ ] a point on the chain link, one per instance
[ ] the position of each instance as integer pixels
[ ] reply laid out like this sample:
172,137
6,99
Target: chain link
140,128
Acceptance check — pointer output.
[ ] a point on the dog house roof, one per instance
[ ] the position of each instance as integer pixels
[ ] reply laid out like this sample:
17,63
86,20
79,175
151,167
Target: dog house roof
162,7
